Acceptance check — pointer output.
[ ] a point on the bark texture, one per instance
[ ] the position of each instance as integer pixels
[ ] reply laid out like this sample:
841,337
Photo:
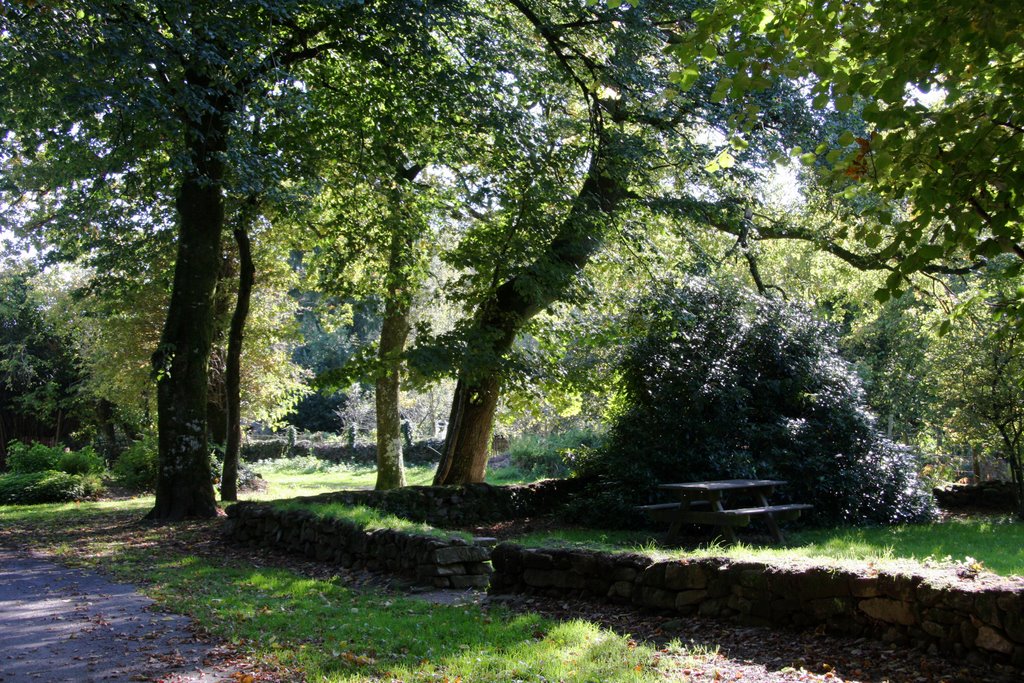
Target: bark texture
394,332
233,369
513,304
184,482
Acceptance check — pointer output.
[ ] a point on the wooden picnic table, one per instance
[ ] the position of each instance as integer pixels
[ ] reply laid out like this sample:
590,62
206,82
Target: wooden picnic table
707,498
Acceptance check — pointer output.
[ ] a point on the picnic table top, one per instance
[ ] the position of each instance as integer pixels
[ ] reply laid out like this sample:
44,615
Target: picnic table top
721,485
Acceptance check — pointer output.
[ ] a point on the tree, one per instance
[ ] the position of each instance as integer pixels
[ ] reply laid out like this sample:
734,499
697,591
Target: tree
978,369
111,92
935,173
41,393
643,156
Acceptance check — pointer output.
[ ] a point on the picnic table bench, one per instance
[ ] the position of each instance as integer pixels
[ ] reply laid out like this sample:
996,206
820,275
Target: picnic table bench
700,502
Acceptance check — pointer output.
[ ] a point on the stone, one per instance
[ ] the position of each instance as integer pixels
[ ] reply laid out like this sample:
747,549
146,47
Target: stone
822,583
486,541
624,574
990,639
710,608
935,630
621,589
469,581
754,579
1013,623
542,578
889,611
690,597
537,560
463,553
826,609
968,633
654,575
864,587
685,576
987,608
650,596
479,568
898,586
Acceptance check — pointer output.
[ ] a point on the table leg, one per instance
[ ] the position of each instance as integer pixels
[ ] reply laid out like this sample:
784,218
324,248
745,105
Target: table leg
677,523
773,527
727,530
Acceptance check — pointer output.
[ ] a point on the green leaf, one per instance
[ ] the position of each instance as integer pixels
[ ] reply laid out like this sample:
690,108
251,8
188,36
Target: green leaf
844,103
882,295
709,52
766,18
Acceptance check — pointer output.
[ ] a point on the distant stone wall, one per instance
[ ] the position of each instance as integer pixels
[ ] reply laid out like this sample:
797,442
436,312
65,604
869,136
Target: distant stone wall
454,506
979,618
989,495
445,563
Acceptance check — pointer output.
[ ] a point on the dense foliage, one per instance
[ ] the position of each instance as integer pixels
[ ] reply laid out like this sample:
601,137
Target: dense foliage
723,384
50,486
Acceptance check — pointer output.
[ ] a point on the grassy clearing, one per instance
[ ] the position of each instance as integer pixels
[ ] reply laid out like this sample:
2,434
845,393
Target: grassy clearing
321,627
290,477
307,476
997,542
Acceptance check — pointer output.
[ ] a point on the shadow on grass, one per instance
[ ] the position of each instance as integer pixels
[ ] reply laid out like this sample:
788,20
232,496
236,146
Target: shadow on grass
321,626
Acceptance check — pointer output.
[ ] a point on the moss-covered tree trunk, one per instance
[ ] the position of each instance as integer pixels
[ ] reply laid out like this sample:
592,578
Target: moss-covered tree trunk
233,369
405,228
184,482
393,334
512,305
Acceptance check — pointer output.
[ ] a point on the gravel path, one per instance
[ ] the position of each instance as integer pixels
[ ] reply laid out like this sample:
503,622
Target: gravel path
59,624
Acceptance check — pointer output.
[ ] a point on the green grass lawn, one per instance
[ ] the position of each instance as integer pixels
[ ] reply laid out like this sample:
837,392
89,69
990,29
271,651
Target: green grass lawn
997,542
320,627
288,478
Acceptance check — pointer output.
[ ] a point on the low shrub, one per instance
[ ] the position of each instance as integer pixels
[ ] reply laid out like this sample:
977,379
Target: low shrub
36,457
136,468
51,486
85,461
554,455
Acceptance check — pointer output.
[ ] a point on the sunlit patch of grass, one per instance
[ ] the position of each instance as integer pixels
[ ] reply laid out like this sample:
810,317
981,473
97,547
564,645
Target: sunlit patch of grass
307,476
324,629
298,477
997,543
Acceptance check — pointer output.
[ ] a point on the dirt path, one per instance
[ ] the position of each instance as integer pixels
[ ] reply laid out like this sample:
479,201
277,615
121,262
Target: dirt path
59,624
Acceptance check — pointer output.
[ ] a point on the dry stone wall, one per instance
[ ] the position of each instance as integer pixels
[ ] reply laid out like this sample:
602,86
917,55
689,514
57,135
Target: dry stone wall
456,506
979,618
445,563
988,495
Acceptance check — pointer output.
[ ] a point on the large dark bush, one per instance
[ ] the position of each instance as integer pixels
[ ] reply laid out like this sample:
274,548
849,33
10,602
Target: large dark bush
724,384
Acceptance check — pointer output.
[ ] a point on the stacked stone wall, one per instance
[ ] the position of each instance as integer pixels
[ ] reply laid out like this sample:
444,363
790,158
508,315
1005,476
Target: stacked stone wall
978,618
989,495
428,560
456,506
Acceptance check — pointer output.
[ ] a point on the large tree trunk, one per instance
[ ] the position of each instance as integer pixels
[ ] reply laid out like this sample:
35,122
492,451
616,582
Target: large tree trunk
184,482
513,304
233,371
394,332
